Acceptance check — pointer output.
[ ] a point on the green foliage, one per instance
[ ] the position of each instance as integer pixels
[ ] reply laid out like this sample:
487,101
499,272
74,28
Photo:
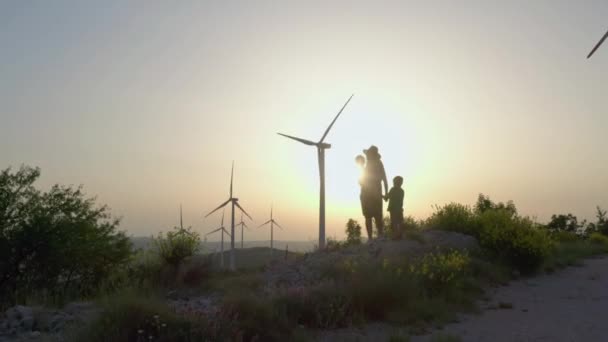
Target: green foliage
453,217
500,231
568,223
54,242
484,203
177,245
598,238
353,232
601,225
564,236
514,239
438,271
410,223
130,316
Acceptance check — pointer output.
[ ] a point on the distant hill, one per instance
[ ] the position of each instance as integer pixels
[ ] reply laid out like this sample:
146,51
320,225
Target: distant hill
145,242
254,257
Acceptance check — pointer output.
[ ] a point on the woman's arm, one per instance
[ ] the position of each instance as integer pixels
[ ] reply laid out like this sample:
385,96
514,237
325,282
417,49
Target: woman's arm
384,178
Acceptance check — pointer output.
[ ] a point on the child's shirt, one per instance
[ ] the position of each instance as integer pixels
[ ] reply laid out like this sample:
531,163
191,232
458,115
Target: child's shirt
395,199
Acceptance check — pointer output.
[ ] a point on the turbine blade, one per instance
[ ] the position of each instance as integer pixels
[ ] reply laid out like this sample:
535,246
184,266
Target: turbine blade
598,45
218,208
265,223
217,230
181,221
225,231
242,210
336,118
223,212
303,141
231,178
275,222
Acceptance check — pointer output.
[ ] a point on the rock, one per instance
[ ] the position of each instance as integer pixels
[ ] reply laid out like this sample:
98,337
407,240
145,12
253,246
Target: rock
20,318
35,334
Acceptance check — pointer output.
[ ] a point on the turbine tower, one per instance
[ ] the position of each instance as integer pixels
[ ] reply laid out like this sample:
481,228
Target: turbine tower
272,223
235,202
597,45
243,225
321,147
222,230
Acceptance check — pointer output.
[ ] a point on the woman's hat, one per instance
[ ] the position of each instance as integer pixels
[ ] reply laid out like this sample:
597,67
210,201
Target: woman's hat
373,150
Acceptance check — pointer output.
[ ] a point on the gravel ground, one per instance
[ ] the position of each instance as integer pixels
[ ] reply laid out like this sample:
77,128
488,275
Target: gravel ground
569,305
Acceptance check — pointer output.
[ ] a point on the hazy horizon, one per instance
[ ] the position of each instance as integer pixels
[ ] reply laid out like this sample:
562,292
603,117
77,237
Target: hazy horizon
147,107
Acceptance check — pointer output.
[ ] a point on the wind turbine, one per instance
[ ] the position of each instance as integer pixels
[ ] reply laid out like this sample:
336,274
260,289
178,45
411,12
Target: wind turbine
222,230
321,147
272,223
243,225
235,202
597,45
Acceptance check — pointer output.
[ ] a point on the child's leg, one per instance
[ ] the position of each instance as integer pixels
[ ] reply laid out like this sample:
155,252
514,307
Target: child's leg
380,225
394,225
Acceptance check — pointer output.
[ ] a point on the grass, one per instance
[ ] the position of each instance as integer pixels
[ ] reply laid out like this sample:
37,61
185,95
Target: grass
571,253
131,316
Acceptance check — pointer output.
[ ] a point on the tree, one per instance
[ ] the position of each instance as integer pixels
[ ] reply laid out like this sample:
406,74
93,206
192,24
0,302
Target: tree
177,245
54,241
567,223
353,232
601,225
484,203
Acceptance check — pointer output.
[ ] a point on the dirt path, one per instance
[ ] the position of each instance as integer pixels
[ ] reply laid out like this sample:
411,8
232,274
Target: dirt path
569,305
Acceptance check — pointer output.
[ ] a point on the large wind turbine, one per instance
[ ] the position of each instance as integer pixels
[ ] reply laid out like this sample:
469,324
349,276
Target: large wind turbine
321,147
243,226
597,45
235,202
272,223
222,230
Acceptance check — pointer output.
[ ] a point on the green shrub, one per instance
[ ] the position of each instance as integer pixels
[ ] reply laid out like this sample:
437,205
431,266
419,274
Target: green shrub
453,217
353,232
439,271
564,236
598,238
131,317
58,242
514,239
177,245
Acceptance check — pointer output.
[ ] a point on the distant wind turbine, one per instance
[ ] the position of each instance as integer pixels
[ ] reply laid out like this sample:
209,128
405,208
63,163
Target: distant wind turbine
321,147
272,223
235,202
597,45
243,226
222,230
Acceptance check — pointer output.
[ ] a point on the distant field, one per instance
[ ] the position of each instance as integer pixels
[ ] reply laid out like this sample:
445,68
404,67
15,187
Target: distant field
144,242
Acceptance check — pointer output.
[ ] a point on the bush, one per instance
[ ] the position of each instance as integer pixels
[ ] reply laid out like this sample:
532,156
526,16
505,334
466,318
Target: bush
500,231
453,217
439,271
177,245
54,242
353,232
598,238
514,239
131,317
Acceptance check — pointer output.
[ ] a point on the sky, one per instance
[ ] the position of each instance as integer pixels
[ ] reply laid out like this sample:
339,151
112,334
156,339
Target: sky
147,103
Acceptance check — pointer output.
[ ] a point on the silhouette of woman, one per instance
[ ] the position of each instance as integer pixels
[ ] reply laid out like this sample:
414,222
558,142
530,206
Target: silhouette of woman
371,191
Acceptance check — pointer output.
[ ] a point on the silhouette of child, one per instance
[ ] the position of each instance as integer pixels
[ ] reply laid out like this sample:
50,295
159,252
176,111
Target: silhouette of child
395,206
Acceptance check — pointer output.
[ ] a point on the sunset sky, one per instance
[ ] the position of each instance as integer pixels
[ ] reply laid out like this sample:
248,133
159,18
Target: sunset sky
147,103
